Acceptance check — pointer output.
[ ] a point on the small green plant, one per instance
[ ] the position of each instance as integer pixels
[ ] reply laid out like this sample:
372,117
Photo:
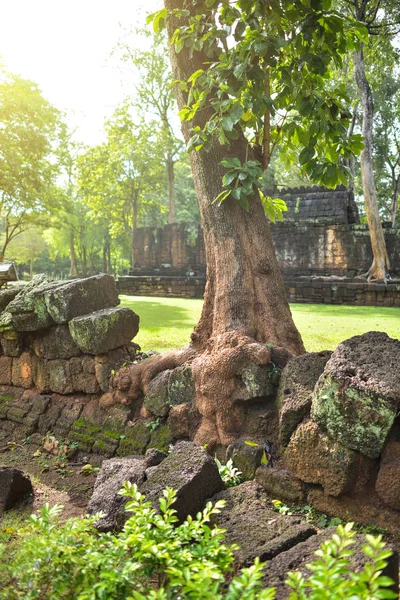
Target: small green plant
230,475
88,469
153,425
156,558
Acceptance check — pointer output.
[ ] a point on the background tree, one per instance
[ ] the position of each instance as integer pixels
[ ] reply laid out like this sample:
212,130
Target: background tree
29,131
380,17
154,96
122,178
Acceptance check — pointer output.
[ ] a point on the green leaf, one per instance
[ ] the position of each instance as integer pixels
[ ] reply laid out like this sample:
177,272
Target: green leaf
306,155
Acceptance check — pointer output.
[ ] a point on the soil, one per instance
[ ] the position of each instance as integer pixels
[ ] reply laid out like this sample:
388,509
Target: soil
56,481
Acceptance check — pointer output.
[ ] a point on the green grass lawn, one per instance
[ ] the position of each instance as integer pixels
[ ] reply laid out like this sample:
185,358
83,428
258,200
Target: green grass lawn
166,323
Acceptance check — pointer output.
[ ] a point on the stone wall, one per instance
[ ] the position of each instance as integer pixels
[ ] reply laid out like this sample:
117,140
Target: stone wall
302,248
64,337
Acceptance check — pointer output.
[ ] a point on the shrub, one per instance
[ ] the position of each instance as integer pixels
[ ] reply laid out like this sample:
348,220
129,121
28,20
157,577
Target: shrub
154,558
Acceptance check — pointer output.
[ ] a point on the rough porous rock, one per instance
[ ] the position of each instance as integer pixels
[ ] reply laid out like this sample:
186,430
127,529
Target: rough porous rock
15,487
81,297
154,457
255,381
183,421
280,484
156,398
22,371
251,523
314,458
190,471
28,309
181,386
105,498
109,363
55,343
358,396
6,296
12,343
6,370
83,374
298,557
135,440
104,330
388,480
246,456
60,378
296,386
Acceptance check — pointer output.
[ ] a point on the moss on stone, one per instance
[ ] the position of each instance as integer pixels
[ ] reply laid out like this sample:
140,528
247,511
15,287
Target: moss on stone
360,420
135,440
161,438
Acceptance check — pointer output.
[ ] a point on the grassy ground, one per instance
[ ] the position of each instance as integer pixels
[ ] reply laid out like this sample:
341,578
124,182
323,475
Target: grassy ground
166,323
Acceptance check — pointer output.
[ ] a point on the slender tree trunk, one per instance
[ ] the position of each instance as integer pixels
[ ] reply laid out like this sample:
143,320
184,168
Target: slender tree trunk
135,224
105,258
380,265
84,262
31,268
73,272
171,188
393,211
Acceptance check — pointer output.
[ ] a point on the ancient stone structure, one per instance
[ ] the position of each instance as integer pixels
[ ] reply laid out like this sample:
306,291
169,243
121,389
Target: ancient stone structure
321,428
321,236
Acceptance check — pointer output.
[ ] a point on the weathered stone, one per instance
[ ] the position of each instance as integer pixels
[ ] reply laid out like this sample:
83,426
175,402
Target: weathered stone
251,523
6,322
22,371
358,396
301,555
82,370
104,330
161,438
105,498
314,458
109,363
70,411
48,420
6,370
181,386
28,309
278,483
183,421
81,297
296,385
246,456
156,398
255,381
388,481
12,343
190,471
40,374
60,379
55,343
154,457
6,296
15,487
135,440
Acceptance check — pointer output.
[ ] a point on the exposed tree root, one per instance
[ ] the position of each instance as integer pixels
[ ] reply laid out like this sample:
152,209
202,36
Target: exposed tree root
220,397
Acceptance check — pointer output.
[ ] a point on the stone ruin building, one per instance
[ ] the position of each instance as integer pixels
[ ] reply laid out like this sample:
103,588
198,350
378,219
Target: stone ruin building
321,429
321,246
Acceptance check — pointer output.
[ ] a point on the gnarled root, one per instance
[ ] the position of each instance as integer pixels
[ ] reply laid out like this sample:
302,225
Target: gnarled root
220,395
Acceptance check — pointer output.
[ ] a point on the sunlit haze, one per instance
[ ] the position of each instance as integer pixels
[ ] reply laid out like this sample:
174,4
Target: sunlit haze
65,48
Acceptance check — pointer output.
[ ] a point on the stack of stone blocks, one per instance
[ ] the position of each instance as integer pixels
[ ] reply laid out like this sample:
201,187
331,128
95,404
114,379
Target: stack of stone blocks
60,344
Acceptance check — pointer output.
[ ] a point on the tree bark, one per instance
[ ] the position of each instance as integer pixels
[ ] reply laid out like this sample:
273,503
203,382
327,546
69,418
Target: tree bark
380,265
73,272
171,188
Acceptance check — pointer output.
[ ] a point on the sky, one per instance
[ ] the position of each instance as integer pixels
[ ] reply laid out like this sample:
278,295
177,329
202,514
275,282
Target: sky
64,47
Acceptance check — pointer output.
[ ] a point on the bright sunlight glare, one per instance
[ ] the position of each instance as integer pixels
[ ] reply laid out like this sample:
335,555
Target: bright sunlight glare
65,48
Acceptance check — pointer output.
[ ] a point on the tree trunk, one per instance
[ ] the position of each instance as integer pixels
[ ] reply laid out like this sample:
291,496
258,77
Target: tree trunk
380,265
245,313
245,290
31,268
73,272
171,188
135,223
396,185
84,262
